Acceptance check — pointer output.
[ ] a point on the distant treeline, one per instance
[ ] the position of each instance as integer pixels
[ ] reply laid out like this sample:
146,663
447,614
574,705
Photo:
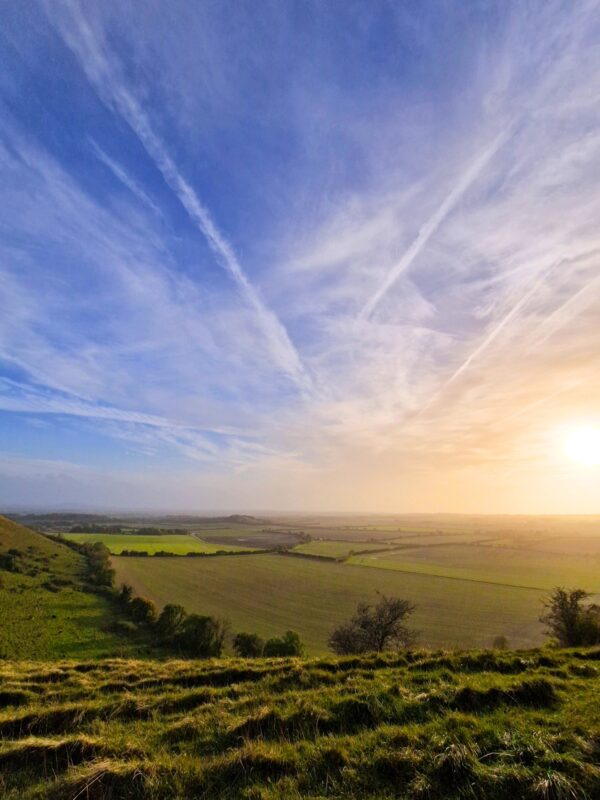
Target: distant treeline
191,554
95,528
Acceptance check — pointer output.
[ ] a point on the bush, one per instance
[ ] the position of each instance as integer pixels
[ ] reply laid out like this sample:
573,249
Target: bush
125,594
202,637
142,611
288,645
248,645
170,623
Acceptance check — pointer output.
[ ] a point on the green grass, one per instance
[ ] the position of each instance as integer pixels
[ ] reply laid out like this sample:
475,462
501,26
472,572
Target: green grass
270,593
417,725
510,566
180,545
44,612
334,549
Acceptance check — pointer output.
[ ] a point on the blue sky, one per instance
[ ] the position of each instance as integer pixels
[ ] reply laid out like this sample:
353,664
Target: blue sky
295,255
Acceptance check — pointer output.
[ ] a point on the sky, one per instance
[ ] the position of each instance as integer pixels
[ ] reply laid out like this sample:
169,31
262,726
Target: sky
300,256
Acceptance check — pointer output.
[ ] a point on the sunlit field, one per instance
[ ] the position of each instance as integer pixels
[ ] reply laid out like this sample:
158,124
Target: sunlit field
180,545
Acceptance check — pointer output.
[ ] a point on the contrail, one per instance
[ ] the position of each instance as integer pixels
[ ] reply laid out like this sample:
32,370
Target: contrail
542,277
433,223
125,179
100,70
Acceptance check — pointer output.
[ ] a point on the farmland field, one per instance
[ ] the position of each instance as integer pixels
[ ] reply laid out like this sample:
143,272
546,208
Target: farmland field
510,566
335,549
180,545
271,593
259,538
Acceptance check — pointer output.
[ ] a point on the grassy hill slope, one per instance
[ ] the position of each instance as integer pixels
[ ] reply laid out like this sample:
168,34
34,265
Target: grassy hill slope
421,725
44,610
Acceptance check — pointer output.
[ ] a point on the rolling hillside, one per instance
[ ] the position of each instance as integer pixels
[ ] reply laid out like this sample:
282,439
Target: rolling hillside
45,607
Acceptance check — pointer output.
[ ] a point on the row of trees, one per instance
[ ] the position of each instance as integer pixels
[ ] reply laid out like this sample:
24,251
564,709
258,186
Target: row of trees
193,635
200,636
146,531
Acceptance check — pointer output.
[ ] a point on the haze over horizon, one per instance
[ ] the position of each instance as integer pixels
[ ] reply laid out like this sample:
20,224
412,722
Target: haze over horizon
315,256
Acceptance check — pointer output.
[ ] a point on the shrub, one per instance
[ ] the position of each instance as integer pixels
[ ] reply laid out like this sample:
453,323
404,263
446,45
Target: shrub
170,623
142,611
288,645
202,637
248,645
125,594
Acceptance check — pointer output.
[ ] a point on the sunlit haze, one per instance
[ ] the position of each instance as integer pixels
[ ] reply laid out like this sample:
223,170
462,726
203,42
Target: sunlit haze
315,256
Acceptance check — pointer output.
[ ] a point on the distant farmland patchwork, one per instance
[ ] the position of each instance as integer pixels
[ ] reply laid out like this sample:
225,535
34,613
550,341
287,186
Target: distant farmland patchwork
472,579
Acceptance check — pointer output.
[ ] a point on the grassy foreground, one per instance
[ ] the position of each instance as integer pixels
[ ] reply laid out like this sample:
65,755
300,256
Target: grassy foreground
420,725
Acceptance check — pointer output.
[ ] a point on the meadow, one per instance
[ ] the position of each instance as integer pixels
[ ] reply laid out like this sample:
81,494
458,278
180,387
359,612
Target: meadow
177,544
269,593
510,566
335,548
416,725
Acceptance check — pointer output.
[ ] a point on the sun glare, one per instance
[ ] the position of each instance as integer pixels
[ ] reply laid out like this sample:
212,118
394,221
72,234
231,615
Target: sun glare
583,446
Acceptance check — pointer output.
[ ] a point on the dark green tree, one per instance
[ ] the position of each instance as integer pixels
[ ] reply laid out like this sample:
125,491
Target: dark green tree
568,621
202,637
375,628
287,645
248,645
142,611
170,623
125,594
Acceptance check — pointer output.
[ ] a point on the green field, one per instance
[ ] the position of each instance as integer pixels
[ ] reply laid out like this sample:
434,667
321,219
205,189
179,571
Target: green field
43,611
509,566
334,549
492,726
180,545
271,593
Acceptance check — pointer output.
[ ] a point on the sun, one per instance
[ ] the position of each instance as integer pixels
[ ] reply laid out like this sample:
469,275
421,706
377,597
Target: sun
583,446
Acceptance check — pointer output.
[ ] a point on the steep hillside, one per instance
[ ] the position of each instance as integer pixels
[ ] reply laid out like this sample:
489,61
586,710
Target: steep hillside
421,725
45,611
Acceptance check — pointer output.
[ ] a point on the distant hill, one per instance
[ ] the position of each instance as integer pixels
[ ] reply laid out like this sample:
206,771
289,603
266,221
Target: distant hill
442,726
59,520
45,610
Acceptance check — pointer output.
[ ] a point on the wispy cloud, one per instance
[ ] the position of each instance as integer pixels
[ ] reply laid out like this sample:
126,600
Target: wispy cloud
101,67
428,235
433,223
124,177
